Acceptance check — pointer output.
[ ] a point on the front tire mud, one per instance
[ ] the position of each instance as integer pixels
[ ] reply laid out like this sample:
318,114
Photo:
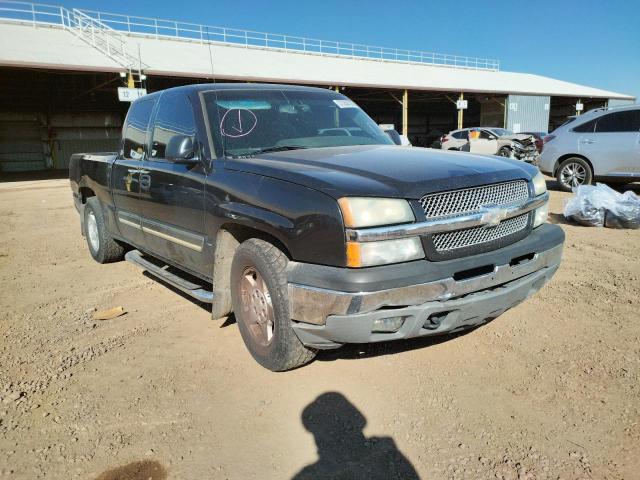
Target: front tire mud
260,302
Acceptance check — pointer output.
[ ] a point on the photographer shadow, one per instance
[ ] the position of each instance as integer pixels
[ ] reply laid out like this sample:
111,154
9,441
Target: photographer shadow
343,450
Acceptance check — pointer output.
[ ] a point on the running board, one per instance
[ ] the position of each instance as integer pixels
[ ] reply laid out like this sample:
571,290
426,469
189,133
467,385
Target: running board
192,289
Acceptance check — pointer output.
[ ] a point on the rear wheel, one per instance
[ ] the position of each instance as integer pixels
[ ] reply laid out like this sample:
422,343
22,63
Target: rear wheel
102,246
261,306
574,172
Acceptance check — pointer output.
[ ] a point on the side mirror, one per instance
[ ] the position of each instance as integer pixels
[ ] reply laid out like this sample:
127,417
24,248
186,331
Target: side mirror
180,149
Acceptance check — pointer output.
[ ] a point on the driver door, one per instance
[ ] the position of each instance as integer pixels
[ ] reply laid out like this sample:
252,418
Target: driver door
483,142
172,193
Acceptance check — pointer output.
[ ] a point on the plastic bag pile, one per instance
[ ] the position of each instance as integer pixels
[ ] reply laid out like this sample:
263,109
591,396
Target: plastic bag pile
601,206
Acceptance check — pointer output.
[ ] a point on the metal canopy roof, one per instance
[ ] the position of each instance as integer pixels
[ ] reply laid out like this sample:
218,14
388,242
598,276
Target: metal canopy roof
54,46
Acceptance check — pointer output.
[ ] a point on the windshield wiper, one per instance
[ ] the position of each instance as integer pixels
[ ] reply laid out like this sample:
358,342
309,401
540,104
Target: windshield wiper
276,148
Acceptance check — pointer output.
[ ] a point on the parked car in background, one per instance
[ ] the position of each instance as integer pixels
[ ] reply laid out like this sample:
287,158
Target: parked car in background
602,144
290,207
492,141
539,139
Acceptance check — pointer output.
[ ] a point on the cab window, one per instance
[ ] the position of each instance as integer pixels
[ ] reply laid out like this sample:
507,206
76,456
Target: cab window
627,121
586,127
463,135
135,133
175,117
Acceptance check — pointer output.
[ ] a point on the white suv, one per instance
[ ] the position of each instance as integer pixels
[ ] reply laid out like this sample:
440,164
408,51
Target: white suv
602,144
492,141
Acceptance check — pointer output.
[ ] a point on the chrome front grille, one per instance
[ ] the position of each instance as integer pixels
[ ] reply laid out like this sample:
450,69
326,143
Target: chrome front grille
470,200
445,242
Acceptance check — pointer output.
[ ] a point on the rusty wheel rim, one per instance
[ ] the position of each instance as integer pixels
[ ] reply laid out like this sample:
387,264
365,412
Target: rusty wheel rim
257,307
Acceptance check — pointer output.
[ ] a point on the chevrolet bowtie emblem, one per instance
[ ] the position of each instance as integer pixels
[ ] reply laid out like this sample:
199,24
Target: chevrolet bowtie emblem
492,216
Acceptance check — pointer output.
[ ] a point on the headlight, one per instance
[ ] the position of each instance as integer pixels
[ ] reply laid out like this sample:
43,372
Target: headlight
368,254
541,215
359,212
539,184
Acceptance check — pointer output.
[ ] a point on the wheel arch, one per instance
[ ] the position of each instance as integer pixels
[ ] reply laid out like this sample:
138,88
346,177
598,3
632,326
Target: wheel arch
85,194
572,155
229,237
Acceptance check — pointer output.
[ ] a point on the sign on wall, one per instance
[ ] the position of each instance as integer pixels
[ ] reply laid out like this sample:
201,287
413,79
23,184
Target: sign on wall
130,94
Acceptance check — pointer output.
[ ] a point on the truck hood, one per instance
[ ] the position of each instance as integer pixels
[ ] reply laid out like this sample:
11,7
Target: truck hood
382,170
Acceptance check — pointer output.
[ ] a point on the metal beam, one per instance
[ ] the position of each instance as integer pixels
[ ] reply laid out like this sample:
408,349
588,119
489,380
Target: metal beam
405,113
460,112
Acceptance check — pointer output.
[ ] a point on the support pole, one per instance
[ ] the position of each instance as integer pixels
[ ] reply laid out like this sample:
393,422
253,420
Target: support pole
405,113
460,112
336,112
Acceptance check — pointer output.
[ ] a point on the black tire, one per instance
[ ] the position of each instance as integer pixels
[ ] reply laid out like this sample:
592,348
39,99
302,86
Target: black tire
283,351
573,172
504,152
102,246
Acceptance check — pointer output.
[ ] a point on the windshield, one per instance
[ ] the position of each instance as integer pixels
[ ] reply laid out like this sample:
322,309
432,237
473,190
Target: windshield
250,122
501,132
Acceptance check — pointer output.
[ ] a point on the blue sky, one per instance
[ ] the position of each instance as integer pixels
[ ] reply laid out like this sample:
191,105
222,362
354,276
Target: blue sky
596,43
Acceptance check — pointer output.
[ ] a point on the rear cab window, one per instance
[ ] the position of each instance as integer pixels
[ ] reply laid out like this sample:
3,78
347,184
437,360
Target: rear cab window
462,135
586,127
135,131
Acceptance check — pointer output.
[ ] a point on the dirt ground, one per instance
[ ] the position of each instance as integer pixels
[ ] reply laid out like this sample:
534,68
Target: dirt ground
551,389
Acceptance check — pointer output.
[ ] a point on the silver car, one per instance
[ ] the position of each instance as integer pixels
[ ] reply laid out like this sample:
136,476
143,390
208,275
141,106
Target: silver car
603,144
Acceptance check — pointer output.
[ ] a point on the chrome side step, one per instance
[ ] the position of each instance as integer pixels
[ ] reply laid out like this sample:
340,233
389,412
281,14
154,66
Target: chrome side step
192,289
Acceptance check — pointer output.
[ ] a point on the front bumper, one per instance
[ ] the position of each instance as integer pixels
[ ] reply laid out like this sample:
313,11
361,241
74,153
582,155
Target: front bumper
465,292
529,156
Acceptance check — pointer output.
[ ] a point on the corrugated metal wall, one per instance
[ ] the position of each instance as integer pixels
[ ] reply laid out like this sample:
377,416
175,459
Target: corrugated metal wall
33,141
82,132
612,102
21,142
528,113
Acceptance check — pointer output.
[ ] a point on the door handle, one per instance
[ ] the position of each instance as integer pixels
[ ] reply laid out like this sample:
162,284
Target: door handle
588,140
133,170
145,181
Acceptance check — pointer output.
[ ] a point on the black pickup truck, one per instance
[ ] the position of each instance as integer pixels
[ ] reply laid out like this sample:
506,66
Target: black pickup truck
289,206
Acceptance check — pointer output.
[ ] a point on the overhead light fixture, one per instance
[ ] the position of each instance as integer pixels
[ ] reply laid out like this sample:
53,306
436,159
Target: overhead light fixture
123,74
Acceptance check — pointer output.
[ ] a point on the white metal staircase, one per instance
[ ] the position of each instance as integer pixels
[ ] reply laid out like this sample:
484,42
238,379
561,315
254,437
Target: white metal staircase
102,37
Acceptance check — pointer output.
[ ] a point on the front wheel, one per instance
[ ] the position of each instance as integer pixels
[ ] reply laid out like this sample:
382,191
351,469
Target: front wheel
261,306
504,152
574,172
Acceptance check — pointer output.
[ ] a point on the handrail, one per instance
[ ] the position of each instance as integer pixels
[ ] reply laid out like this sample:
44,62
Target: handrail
99,35
36,13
